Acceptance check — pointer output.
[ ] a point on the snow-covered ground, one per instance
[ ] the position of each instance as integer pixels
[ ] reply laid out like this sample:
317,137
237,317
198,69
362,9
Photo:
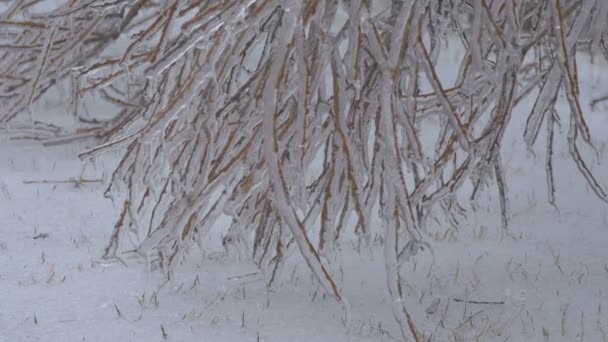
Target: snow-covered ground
546,281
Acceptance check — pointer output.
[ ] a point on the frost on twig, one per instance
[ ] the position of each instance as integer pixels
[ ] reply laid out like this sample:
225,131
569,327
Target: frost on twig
294,118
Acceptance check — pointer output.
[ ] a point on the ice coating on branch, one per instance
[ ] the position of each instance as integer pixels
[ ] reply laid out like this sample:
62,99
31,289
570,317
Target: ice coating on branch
297,118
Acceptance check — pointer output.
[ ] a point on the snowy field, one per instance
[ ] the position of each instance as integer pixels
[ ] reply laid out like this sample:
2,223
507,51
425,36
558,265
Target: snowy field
546,280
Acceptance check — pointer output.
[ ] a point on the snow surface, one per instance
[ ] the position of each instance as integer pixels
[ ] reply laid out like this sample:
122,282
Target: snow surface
547,280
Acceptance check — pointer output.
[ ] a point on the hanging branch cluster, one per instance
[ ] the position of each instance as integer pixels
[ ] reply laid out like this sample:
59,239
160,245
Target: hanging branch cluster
293,122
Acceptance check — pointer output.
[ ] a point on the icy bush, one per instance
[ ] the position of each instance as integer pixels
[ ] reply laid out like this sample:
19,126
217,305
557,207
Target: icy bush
295,118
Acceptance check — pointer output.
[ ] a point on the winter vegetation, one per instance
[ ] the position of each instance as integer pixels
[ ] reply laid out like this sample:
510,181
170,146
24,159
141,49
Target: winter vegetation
300,128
